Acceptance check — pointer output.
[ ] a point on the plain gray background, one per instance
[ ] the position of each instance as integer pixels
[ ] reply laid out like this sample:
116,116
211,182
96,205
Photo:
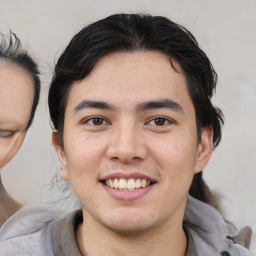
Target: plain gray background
226,30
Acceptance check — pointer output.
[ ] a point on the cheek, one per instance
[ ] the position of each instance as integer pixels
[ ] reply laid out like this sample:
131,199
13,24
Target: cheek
176,160
83,160
9,147
175,156
83,153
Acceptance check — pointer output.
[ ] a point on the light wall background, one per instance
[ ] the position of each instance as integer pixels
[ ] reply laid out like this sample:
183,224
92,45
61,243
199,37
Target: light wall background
225,29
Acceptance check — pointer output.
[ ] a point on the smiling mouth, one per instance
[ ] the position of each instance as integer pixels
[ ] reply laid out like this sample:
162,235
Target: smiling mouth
127,184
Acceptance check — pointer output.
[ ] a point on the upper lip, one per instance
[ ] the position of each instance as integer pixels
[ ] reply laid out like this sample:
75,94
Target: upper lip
127,176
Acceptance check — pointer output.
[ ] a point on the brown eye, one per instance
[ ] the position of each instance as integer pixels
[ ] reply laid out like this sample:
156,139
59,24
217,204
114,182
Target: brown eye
160,121
97,121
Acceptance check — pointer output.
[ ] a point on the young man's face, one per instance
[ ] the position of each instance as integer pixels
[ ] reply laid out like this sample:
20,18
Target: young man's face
16,99
130,142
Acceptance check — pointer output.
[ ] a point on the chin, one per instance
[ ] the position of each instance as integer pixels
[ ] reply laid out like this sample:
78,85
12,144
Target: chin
130,225
129,230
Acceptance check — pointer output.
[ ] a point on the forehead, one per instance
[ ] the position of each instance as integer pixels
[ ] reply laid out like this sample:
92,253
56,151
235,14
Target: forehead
16,96
132,77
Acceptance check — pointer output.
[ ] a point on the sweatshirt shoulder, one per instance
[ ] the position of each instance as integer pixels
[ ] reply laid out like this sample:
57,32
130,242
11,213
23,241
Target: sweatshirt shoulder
28,232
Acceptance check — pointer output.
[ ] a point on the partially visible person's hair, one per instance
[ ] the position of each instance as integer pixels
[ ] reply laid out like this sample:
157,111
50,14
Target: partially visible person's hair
12,52
136,32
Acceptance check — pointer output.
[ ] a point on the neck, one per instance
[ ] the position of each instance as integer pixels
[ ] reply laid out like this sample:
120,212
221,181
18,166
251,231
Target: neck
164,240
8,206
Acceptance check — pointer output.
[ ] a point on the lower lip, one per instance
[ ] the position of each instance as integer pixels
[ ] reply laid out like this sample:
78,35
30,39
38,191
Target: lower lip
128,195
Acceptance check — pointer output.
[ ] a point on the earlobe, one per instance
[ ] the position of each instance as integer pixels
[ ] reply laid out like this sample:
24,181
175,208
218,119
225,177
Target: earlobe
61,155
205,148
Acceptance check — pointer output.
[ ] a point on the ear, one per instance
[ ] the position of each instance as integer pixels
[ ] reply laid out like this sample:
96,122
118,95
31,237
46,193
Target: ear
61,155
205,148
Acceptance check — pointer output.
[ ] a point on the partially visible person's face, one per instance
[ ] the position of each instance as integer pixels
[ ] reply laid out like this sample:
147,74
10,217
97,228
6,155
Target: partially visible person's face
16,99
130,142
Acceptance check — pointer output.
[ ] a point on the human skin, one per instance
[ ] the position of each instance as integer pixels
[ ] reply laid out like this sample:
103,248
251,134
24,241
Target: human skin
16,98
132,138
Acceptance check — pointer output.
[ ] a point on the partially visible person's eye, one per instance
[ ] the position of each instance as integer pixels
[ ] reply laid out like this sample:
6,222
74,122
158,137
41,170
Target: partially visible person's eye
6,133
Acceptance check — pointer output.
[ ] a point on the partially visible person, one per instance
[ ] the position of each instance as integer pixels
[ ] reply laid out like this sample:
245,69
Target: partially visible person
19,96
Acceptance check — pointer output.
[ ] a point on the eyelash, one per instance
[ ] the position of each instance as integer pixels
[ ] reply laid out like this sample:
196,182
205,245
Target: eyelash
6,134
92,119
102,121
167,121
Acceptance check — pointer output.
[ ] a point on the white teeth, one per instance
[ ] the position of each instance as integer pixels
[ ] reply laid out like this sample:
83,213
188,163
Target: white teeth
130,184
122,184
144,183
111,183
116,183
138,183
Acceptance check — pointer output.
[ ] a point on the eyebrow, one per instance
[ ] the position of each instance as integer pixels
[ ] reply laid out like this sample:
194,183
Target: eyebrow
164,103
93,104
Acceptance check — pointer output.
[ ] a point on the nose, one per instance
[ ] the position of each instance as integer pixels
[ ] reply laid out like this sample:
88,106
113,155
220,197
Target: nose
126,144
